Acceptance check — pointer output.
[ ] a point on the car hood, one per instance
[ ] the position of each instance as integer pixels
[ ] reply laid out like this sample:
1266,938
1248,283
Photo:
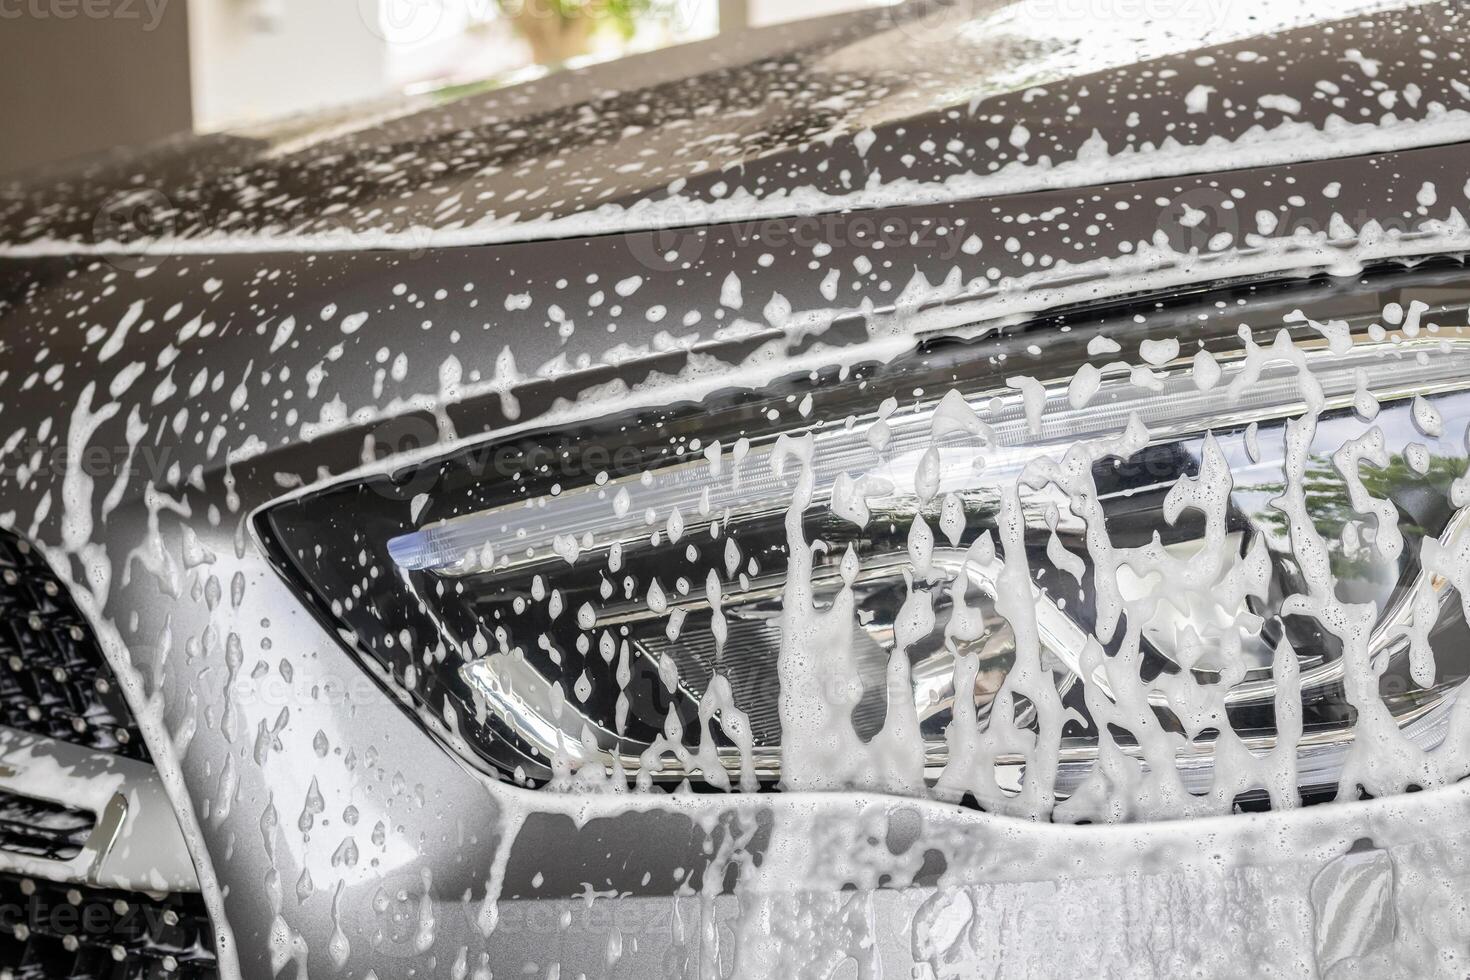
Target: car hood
900,105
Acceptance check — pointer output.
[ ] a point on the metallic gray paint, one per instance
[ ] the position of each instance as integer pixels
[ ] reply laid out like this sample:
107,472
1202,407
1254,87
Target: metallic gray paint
922,95
249,772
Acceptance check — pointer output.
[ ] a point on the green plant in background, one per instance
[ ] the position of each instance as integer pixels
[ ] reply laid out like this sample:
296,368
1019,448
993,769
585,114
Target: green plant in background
1327,501
561,29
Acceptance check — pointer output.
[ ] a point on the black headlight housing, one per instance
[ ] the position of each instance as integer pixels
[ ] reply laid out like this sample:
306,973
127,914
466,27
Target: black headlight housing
603,601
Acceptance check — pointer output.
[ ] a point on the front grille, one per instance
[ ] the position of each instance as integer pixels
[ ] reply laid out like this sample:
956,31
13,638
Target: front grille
50,931
41,828
54,680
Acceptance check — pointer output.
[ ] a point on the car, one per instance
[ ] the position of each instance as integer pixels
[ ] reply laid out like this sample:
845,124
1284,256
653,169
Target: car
544,530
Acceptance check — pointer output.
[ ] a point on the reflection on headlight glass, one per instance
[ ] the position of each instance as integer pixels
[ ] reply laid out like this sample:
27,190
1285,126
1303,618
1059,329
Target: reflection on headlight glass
1138,563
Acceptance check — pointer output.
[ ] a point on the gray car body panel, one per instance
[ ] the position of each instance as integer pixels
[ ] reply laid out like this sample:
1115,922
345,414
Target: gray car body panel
152,403
898,105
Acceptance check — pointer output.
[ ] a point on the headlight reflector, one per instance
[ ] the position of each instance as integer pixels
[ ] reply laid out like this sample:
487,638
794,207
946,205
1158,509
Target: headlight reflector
1174,567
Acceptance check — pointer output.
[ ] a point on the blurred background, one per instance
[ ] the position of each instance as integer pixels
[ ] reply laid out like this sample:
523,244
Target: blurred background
84,75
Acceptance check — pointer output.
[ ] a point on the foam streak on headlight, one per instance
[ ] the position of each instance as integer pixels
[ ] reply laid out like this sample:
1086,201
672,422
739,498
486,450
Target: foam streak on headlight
1167,581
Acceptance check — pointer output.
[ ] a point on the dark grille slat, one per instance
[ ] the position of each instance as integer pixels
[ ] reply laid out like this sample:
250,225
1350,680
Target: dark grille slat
54,680
53,931
41,828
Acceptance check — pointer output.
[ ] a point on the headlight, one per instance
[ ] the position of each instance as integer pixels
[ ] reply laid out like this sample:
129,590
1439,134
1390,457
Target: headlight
1146,560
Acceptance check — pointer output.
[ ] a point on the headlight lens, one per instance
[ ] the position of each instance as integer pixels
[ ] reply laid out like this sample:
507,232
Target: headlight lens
1142,561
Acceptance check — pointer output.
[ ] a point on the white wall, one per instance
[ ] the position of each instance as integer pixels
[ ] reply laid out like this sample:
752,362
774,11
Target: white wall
253,60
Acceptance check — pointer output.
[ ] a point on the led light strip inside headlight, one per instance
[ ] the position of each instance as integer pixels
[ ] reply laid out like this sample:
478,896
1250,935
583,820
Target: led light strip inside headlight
1173,558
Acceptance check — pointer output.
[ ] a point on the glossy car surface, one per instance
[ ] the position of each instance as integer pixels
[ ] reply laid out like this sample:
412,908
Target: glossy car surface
200,334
